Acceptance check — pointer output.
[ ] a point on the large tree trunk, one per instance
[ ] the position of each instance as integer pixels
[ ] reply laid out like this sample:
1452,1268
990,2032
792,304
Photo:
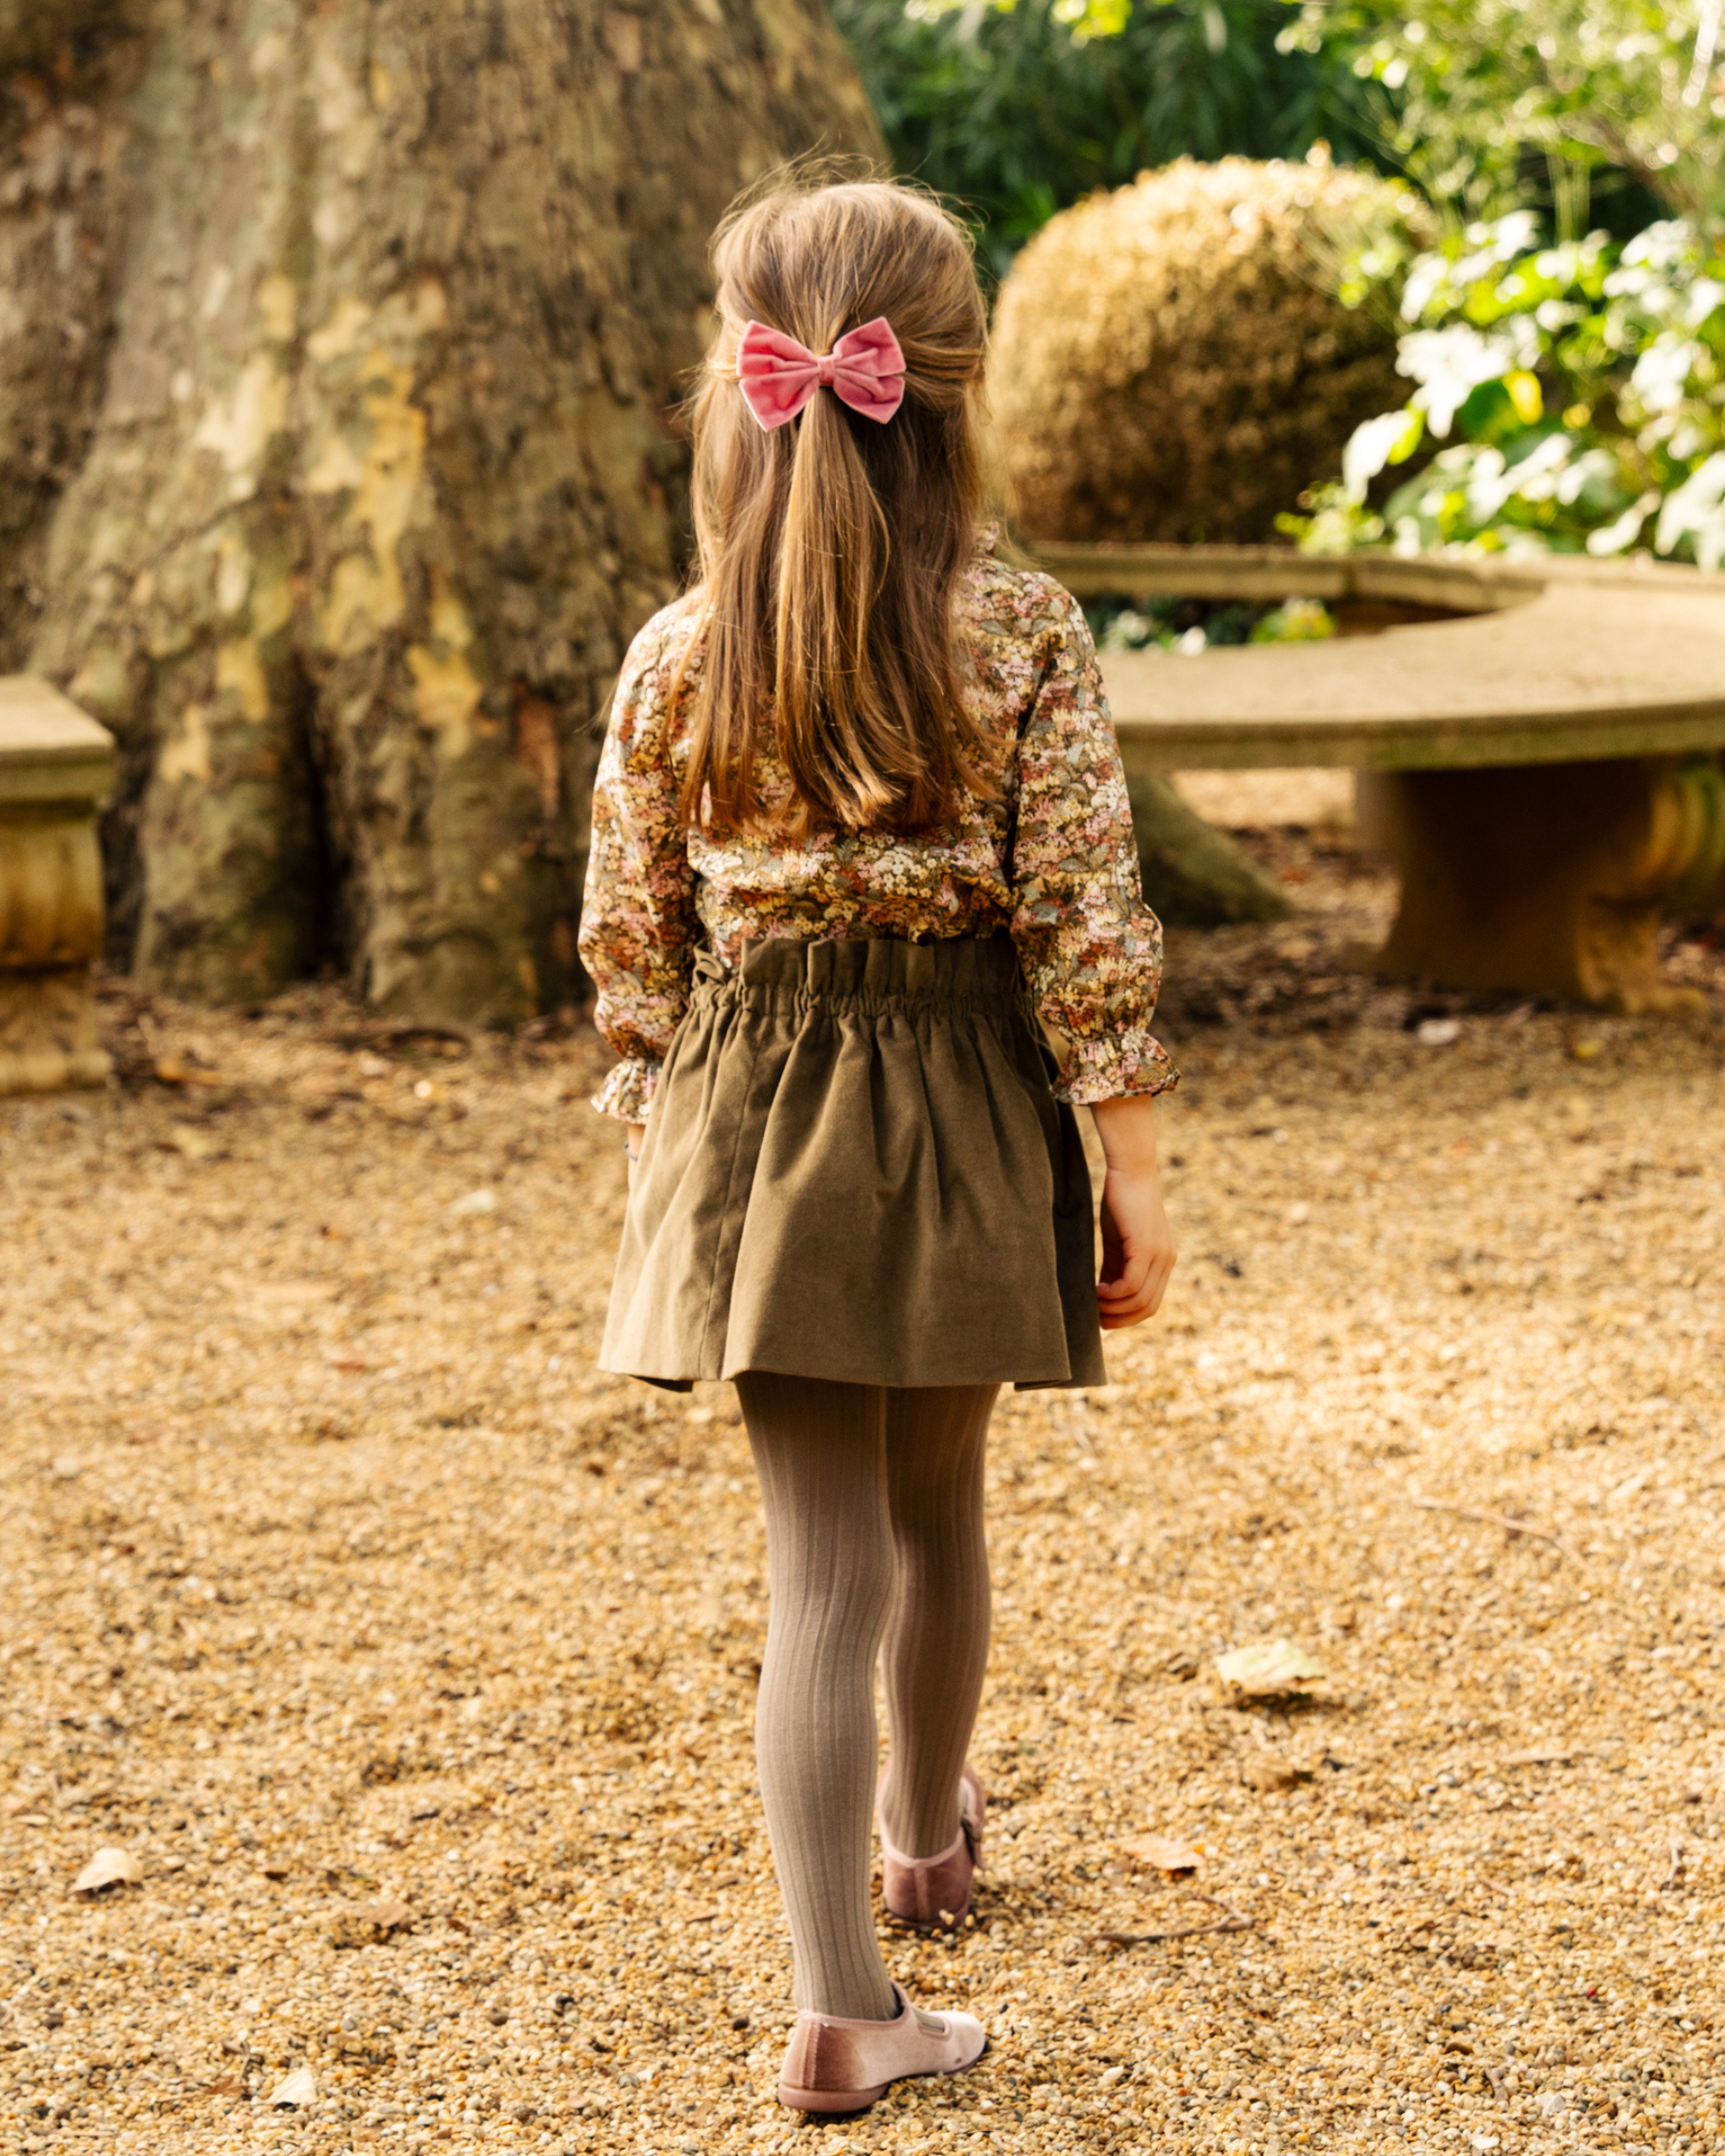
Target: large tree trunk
383,306
64,71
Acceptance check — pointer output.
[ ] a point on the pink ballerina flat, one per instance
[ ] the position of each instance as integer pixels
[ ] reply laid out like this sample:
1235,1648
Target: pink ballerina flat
933,1893
838,2065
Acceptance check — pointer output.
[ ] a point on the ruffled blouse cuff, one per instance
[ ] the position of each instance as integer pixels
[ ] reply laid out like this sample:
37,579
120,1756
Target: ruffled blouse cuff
1128,1062
628,1092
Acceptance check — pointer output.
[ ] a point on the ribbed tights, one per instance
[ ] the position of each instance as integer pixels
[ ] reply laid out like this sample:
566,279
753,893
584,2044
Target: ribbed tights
873,1496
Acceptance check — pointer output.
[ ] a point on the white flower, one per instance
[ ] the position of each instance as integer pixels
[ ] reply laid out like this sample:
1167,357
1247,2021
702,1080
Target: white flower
1497,244
1450,364
1695,510
1685,440
1624,531
1660,245
1662,372
1426,280
1564,263
1700,300
1370,447
1571,480
1487,490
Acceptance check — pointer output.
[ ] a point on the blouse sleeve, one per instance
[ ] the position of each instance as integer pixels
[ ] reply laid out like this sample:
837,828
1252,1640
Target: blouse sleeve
639,927
1089,947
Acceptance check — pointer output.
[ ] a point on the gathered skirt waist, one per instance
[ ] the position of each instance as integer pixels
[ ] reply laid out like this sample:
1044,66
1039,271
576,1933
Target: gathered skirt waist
855,1168
864,975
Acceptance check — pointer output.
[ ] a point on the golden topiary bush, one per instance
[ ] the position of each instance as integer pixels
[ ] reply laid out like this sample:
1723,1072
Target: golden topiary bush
1169,362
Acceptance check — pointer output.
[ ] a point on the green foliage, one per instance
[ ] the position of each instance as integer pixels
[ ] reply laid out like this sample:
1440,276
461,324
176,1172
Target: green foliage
1579,390
1477,95
1021,109
1189,626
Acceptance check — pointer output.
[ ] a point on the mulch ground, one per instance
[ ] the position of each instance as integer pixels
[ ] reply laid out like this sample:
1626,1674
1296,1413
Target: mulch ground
409,1661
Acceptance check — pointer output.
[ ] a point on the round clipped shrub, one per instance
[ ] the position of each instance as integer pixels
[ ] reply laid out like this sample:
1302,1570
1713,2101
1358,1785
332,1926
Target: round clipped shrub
1171,362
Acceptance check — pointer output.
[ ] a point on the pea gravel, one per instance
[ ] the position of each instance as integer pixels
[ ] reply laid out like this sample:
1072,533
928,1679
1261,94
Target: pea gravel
411,1661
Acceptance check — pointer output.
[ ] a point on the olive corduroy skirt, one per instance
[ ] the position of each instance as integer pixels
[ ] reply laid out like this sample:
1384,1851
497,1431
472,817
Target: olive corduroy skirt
855,1168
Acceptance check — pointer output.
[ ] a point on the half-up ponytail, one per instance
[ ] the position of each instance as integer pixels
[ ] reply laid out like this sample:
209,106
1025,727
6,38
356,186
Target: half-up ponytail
831,547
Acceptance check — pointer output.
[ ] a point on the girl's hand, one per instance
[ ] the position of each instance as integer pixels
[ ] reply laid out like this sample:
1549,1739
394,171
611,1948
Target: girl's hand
1137,1250
1138,1243
634,1136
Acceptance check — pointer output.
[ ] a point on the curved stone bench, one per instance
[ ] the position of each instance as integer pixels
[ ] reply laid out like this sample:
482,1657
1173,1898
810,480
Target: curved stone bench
57,770
1548,730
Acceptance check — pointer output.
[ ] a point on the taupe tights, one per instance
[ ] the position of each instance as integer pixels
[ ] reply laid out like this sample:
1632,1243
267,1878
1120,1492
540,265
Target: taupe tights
874,1538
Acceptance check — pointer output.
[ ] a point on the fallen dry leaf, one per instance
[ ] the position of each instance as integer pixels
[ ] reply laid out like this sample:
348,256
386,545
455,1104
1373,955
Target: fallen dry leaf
300,2088
192,1143
175,1070
107,1868
1163,1852
370,1925
1266,1669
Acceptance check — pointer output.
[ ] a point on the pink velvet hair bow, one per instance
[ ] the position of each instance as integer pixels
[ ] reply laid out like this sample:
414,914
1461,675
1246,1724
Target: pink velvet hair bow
865,370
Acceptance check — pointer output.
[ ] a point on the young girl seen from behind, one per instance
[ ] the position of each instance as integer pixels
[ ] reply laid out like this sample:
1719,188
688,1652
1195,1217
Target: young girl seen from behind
859,825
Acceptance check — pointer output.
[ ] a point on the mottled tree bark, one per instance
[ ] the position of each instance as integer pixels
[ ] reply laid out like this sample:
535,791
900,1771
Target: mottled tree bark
394,299
64,76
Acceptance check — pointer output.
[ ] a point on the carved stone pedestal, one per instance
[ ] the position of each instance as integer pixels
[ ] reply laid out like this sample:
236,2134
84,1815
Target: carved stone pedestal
1550,878
57,772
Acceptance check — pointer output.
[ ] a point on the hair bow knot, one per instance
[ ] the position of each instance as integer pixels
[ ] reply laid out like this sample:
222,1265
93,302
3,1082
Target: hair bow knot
865,370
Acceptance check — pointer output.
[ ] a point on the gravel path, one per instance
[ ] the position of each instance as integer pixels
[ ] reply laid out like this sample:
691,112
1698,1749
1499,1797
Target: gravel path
410,1662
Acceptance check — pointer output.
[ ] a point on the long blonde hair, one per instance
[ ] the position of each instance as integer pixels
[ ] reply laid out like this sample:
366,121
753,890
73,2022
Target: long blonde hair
831,547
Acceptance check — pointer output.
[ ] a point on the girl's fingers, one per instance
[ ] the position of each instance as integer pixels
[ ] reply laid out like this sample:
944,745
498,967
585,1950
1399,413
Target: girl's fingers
1121,1321
1135,1270
1140,1269
1129,1301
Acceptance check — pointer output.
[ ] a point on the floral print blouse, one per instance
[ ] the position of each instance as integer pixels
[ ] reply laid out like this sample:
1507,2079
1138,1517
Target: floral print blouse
1090,948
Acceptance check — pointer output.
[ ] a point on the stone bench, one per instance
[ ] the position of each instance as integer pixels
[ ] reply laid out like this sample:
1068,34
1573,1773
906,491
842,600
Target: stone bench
57,770
1538,741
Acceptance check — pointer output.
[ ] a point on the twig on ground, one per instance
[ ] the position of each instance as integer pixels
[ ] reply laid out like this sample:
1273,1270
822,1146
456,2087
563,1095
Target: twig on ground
1236,1920
1495,2076
1510,1525
1677,1876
